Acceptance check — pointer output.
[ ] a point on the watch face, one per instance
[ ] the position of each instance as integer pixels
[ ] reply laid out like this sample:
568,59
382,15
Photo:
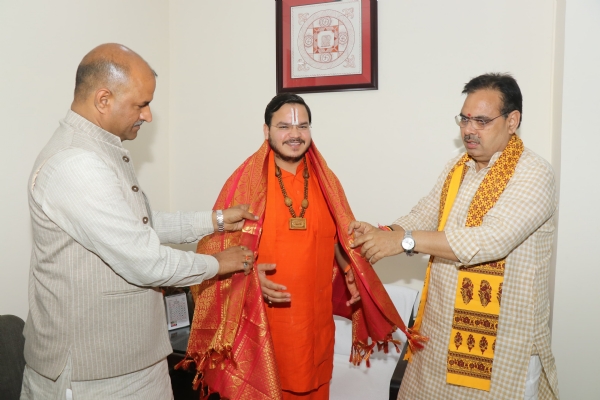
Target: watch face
408,243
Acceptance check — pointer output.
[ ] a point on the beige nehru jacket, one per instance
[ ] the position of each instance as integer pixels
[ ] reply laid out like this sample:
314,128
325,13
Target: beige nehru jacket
97,258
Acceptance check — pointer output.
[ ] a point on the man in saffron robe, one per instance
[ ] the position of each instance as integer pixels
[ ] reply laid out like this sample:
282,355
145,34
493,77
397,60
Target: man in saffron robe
299,260
274,335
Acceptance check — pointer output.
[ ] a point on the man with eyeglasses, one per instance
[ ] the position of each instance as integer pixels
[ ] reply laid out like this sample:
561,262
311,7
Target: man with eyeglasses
280,343
488,225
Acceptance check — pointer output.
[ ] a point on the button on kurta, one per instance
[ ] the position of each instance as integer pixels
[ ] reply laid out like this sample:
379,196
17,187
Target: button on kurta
145,220
125,158
135,188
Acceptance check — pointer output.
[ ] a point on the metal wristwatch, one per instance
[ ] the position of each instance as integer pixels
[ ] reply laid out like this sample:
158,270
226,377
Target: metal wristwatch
220,221
408,243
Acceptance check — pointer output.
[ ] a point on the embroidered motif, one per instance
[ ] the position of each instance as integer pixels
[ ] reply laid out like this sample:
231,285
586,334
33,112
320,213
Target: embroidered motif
469,365
483,344
499,294
470,321
485,293
466,290
470,342
495,268
458,340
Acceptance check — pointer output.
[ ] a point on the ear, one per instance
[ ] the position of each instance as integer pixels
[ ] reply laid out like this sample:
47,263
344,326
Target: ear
513,120
266,131
103,100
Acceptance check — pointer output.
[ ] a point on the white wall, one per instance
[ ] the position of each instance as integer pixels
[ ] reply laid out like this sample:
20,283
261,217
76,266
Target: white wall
216,66
576,319
41,44
386,146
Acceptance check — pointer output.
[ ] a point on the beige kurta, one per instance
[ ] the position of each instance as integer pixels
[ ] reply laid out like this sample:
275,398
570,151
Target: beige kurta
519,227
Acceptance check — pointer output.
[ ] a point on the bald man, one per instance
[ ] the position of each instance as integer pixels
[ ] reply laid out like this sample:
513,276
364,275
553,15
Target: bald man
96,327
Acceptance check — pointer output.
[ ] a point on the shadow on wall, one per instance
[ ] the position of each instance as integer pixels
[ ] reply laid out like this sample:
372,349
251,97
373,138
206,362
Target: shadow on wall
141,147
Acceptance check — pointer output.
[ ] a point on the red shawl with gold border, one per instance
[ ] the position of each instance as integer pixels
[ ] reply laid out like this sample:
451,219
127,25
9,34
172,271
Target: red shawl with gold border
230,343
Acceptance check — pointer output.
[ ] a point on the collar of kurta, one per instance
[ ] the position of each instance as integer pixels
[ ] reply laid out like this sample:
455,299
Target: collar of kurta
230,345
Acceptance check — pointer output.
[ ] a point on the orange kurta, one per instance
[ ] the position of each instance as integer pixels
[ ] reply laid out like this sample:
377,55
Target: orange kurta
303,330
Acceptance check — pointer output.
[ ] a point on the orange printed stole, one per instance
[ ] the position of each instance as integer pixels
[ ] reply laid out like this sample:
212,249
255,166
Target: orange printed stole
230,344
479,288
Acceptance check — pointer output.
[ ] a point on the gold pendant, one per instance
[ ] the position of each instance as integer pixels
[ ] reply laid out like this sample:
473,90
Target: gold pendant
298,223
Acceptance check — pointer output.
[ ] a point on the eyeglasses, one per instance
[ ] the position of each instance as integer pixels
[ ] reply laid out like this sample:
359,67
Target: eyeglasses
286,128
478,123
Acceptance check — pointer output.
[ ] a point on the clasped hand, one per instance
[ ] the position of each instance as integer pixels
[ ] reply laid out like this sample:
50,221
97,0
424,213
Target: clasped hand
376,243
238,258
233,218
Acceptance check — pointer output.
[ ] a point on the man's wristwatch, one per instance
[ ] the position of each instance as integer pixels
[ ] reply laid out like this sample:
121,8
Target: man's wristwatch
408,243
220,221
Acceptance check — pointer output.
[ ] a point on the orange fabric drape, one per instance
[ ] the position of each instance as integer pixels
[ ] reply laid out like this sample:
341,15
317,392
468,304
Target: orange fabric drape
230,343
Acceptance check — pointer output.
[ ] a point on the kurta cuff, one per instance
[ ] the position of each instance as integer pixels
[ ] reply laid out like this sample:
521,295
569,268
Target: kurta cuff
463,245
212,267
203,224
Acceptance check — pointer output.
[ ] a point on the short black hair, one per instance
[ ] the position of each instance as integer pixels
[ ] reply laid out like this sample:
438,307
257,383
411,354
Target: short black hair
284,98
510,93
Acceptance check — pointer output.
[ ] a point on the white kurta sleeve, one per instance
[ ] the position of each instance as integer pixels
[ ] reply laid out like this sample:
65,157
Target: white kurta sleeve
83,196
182,227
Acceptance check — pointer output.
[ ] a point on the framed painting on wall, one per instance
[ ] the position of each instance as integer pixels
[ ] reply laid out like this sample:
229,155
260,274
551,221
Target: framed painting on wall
325,45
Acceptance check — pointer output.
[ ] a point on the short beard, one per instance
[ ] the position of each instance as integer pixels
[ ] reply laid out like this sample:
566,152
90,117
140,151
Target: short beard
289,159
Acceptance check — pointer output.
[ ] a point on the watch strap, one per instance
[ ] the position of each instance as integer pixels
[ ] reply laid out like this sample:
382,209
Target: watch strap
220,221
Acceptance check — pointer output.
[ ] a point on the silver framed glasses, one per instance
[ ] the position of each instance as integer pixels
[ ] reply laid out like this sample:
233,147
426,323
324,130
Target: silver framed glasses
478,122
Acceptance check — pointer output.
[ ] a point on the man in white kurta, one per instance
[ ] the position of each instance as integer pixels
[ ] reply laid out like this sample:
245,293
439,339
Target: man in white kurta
518,228
96,327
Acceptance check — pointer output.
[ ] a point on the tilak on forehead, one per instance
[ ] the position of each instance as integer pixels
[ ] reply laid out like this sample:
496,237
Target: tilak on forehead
294,116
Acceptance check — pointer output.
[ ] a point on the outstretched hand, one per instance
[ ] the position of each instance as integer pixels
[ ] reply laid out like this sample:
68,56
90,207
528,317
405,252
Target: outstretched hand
376,244
272,292
233,218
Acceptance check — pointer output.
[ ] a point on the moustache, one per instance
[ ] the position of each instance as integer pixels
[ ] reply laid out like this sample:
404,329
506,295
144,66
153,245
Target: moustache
471,138
294,141
139,123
